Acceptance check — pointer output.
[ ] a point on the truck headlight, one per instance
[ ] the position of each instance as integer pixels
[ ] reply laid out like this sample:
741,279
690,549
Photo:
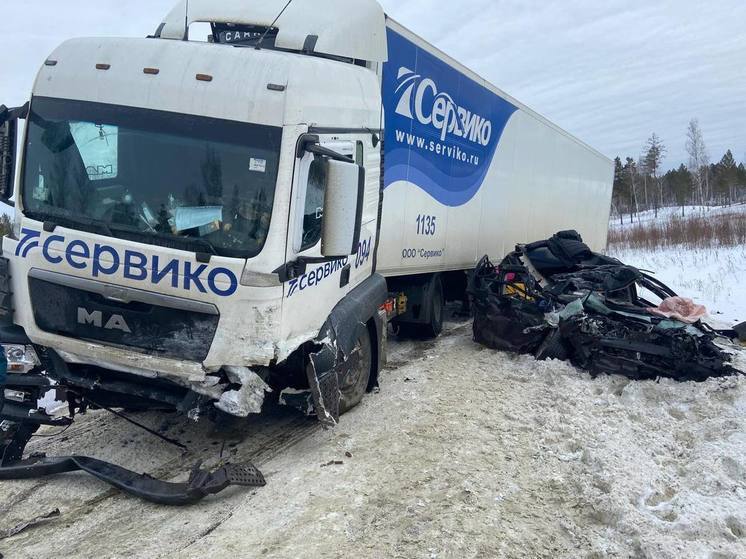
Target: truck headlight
21,358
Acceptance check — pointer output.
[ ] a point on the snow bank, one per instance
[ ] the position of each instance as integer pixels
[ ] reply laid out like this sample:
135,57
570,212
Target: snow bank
715,278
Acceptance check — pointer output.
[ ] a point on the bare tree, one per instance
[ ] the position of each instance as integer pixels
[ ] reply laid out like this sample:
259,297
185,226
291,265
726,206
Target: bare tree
698,158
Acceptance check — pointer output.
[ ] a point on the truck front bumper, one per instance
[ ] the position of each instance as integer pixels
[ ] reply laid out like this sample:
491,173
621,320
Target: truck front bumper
21,417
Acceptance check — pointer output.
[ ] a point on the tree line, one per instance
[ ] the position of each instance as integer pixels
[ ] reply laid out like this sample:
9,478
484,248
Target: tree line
641,185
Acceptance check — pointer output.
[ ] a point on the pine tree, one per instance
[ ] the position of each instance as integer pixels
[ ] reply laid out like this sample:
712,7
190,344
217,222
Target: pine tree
726,177
631,176
680,182
619,195
742,175
654,156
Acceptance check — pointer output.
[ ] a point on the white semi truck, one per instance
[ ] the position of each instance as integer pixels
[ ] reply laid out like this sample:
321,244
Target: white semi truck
199,224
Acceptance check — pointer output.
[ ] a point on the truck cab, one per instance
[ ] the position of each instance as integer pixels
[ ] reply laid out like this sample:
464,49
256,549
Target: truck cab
196,222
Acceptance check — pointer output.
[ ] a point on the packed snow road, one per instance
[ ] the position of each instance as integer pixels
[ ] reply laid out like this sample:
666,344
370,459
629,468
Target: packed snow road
465,452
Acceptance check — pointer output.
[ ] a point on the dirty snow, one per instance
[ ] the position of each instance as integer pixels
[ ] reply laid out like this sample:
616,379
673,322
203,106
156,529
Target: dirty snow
465,452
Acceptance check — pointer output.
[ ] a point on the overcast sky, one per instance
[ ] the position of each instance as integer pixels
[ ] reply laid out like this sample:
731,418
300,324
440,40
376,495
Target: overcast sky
610,72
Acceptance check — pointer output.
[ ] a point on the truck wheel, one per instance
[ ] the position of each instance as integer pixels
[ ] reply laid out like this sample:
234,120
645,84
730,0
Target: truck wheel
353,383
437,311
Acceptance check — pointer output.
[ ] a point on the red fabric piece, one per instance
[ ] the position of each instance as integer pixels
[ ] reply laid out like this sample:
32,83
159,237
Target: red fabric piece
680,308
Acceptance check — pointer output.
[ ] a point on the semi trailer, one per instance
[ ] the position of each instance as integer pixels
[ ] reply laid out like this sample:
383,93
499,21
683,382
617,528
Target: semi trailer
203,224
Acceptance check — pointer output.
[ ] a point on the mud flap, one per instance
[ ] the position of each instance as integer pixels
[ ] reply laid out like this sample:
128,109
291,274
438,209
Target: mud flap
336,343
324,382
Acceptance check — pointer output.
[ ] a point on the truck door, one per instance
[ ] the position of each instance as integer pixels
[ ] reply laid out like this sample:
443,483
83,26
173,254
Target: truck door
310,298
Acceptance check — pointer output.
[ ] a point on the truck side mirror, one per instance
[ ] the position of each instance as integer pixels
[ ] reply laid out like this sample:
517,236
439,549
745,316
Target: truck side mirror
8,140
8,134
343,209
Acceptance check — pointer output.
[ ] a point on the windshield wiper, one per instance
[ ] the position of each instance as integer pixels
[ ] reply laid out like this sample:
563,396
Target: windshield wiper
167,240
202,247
51,221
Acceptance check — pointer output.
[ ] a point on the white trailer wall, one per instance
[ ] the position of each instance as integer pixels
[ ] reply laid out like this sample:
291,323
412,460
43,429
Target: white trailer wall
451,197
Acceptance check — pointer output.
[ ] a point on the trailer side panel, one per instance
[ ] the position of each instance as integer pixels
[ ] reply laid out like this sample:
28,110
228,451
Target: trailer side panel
470,171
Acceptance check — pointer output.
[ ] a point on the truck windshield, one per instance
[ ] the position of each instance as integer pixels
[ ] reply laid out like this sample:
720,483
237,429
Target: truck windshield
162,178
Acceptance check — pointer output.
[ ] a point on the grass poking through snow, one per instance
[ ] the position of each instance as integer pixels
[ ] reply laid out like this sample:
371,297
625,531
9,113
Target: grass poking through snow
697,230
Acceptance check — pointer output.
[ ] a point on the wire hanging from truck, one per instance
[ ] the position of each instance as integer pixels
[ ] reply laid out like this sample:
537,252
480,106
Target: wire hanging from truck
258,45
186,21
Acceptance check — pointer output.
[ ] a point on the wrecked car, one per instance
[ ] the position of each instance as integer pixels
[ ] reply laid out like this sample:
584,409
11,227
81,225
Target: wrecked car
556,299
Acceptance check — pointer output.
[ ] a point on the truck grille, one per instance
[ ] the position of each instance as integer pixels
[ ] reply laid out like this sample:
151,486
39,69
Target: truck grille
79,309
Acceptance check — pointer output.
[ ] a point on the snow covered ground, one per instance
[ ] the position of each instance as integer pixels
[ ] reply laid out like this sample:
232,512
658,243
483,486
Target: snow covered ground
713,277
465,452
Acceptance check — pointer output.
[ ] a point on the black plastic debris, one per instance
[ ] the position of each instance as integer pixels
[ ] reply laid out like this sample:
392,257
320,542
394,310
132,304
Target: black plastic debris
556,299
740,329
20,420
201,482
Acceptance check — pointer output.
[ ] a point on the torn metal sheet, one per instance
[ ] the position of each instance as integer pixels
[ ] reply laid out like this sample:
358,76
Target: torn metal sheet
324,383
335,343
246,400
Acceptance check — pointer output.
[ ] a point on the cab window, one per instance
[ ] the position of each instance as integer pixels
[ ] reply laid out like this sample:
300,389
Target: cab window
313,212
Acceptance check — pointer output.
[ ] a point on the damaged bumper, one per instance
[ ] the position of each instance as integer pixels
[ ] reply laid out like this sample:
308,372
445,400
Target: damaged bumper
238,391
201,482
21,418
22,385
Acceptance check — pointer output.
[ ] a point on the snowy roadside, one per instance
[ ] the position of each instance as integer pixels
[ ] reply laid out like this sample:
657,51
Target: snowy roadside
466,452
713,277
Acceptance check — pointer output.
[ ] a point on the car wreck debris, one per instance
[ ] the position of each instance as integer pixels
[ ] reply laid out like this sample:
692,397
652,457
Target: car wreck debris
201,482
20,419
556,299
23,526
248,399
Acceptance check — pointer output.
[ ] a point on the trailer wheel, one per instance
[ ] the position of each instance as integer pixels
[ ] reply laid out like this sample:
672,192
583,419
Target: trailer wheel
353,382
437,312
432,306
